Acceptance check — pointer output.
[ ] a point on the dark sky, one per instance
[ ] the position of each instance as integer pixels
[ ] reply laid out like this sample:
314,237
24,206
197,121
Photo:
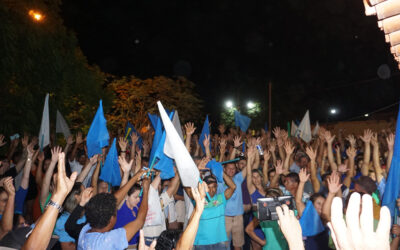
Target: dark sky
317,54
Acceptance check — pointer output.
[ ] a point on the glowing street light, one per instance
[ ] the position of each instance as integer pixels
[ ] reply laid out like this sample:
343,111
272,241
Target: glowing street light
229,104
334,111
366,115
36,15
250,105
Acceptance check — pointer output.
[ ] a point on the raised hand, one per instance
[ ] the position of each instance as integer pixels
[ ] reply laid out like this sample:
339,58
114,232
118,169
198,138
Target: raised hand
199,195
64,184
277,132
125,166
390,141
311,153
206,141
79,138
70,140
190,128
288,148
267,155
303,175
25,141
367,136
94,159
9,186
236,141
351,152
351,140
251,154
328,137
334,183
2,142
30,151
279,167
202,164
55,152
374,139
342,168
122,142
272,146
134,138
87,194
290,227
222,143
41,156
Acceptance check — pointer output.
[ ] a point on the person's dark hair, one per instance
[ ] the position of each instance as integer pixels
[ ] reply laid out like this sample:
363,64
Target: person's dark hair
71,202
168,239
294,177
145,158
300,155
273,192
367,184
326,175
134,188
210,179
316,196
100,209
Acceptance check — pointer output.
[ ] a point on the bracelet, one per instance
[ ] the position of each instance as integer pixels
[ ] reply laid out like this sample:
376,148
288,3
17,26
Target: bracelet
54,204
123,151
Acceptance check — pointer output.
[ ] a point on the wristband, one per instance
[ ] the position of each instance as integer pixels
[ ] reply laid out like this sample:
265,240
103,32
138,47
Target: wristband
123,151
54,204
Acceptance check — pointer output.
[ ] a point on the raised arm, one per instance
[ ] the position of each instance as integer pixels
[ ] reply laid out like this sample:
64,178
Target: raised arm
289,151
299,193
314,179
134,139
133,227
206,144
231,186
85,171
390,142
329,140
375,158
222,149
250,158
27,168
39,170
95,176
120,193
55,152
338,155
351,153
266,165
334,187
236,145
187,239
123,143
278,172
78,142
272,149
41,234
189,128
70,141
367,151
8,215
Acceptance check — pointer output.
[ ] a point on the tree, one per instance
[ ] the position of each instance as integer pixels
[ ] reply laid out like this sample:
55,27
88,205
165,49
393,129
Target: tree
39,58
134,98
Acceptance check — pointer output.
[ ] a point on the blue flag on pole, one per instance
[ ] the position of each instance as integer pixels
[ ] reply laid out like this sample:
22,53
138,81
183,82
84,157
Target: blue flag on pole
164,164
216,169
310,221
110,172
128,131
205,131
97,137
392,188
153,120
242,121
156,139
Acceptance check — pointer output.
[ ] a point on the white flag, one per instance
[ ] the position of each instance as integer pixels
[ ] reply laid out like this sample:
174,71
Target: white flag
44,134
62,126
304,129
175,149
177,124
316,129
293,129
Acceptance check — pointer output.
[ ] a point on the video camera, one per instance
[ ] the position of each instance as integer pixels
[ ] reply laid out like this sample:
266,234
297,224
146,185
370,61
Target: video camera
266,207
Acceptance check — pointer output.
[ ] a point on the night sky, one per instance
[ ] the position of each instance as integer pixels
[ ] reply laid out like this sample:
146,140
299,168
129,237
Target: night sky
317,54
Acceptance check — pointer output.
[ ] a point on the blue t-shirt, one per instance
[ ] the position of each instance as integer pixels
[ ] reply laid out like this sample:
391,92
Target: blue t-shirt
234,206
20,196
112,240
59,229
212,222
124,216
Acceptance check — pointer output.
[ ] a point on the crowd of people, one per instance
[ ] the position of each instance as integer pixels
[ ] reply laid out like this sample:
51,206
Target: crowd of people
53,198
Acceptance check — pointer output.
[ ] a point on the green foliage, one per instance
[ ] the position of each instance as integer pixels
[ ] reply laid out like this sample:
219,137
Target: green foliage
38,58
134,98
255,113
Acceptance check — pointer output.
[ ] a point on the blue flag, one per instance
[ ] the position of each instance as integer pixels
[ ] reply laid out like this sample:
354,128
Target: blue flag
153,120
216,169
392,188
205,131
310,221
164,164
128,131
156,139
97,137
110,172
242,121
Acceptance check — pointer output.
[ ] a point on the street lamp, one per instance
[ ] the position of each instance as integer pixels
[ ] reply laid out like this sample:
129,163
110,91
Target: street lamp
250,105
366,115
229,104
36,15
333,111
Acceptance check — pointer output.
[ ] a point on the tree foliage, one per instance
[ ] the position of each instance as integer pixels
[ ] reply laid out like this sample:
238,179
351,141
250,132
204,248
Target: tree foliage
134,98
39,58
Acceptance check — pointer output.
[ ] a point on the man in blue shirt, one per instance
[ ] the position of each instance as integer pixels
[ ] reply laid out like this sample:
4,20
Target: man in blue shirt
234,207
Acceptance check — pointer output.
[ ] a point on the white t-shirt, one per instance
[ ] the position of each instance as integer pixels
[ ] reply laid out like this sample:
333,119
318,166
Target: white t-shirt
153,211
